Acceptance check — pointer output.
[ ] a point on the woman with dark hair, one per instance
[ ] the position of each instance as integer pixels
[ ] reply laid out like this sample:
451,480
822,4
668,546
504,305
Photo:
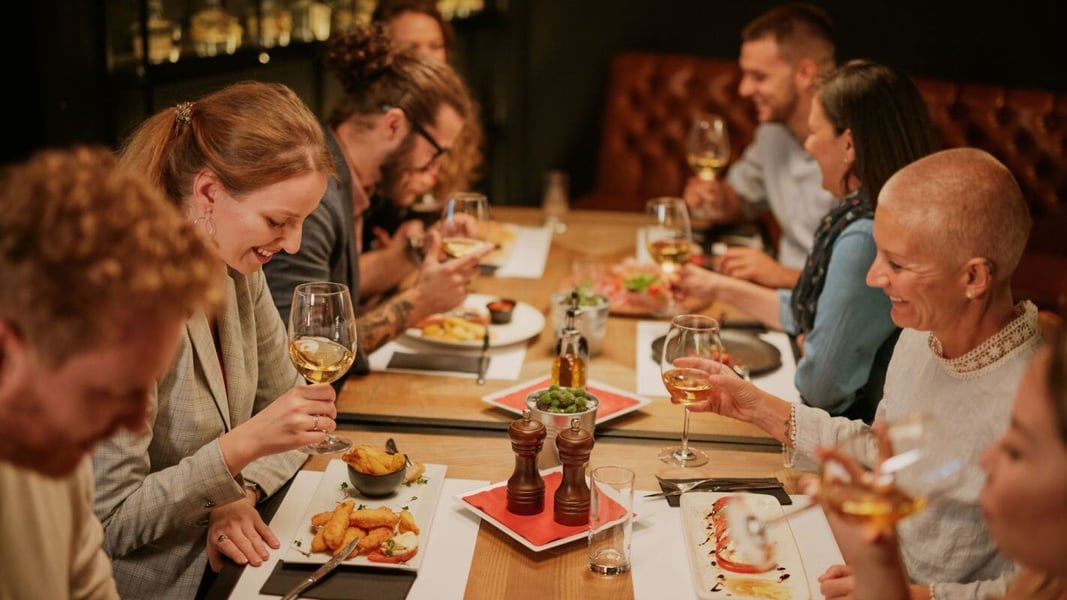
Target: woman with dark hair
867,121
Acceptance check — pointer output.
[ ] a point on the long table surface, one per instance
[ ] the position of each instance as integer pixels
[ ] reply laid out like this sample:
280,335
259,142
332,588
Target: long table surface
434,400
503,568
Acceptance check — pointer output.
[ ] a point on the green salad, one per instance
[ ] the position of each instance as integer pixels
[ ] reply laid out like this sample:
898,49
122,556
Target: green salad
564,400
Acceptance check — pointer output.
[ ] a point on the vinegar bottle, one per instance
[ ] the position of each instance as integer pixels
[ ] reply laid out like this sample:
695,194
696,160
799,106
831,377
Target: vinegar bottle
572,352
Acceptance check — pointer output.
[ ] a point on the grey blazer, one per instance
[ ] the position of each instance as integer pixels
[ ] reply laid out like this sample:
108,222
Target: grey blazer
155,490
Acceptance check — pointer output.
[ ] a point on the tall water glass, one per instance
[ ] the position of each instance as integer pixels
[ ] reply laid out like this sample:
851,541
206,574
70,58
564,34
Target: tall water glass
611,519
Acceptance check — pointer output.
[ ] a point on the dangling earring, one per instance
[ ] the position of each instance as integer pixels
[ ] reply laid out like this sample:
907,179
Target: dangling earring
208,222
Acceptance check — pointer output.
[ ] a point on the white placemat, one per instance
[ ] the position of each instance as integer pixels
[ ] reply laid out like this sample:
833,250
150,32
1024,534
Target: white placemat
780,382
449,550
658,552
505,362
528,254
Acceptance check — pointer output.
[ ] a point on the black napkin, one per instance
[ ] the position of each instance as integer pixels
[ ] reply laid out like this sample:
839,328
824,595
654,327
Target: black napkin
341,584
774,488
433,362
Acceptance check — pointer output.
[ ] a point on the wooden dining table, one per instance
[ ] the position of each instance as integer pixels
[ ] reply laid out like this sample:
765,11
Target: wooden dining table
431,400
502,567
441,419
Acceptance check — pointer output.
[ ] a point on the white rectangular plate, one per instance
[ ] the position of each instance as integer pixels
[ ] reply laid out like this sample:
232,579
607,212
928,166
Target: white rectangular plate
787,581
419,498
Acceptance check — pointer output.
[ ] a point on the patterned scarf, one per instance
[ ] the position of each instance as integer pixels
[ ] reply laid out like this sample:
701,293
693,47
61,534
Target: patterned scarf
813,277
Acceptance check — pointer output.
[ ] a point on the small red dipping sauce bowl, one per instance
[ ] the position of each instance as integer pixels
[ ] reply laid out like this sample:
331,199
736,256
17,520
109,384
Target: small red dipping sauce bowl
500,311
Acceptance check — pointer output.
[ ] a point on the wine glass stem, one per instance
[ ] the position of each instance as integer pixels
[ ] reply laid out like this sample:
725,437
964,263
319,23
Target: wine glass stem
685,433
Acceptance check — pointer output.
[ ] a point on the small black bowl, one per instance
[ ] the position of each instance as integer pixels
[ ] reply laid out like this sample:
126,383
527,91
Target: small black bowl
500,311
376,485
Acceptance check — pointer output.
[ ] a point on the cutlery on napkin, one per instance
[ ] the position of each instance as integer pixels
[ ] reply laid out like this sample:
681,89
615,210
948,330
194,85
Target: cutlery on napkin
427,361
758,485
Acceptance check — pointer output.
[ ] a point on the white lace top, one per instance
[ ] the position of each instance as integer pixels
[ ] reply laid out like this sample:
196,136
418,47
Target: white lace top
948,541
1020,334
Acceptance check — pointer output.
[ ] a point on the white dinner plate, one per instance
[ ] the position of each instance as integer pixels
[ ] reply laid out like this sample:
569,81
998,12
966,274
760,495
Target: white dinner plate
786,580
419,498
526,322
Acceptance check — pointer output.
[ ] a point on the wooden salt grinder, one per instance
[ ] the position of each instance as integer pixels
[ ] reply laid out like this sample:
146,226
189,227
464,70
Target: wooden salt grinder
572,497
526,488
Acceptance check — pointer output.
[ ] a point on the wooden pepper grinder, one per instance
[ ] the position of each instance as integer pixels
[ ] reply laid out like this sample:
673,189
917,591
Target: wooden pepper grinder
572,497
526,488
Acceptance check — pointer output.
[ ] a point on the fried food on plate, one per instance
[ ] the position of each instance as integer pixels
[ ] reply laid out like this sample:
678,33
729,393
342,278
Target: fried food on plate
371,518
414,472
334,530
372,461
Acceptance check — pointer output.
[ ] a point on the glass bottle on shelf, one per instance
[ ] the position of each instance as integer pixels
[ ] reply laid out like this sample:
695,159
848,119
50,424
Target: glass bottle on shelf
214,31
342,14
276,27
311,21
555,203
163,36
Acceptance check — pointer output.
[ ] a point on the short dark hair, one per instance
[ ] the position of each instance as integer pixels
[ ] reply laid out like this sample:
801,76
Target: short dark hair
800,30
887,116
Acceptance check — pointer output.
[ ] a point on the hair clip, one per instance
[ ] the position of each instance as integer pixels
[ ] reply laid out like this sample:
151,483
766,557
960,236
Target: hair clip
183,113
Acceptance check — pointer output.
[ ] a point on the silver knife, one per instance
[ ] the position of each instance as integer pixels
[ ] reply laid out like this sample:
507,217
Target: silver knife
483,360
718,488
322,571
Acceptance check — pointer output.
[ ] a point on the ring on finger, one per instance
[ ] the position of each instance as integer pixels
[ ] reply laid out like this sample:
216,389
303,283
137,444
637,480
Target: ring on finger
222,538
315,423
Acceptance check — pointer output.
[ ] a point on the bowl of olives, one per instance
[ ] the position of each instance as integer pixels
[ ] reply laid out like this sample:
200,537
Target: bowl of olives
555,406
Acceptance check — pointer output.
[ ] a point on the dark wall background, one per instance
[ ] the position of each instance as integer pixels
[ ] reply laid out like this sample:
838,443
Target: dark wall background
571,43
539,67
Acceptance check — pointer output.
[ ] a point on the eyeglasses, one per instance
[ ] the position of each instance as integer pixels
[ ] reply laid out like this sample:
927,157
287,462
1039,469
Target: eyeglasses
439,151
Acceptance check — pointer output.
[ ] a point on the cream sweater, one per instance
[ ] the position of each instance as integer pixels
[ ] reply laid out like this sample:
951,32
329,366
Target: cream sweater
52,541
973,395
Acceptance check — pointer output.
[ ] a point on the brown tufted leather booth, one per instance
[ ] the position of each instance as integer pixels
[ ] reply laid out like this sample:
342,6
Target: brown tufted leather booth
651,98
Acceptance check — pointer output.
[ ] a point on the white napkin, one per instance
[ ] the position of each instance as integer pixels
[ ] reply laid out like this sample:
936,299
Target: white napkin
528,254
449,550
780,382
660,564
505,362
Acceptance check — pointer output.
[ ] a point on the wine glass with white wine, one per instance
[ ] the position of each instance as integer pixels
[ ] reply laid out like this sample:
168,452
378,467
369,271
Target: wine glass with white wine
322,342
464,224
707,152
866,480
690,336
668,240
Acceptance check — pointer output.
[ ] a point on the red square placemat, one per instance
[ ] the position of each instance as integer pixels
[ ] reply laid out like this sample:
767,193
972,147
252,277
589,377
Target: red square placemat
539,529
610,402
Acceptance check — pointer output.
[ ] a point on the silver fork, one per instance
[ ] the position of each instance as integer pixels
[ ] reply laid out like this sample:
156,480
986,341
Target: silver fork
681,488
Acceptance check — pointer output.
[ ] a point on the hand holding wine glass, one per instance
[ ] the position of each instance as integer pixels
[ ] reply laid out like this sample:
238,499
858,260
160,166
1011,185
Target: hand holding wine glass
668,240
707,152
322,341
870,479
690,336
464,224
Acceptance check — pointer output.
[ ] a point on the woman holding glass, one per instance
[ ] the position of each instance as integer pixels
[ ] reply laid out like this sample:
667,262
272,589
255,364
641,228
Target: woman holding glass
1024,499
247,164
867,121
960,356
